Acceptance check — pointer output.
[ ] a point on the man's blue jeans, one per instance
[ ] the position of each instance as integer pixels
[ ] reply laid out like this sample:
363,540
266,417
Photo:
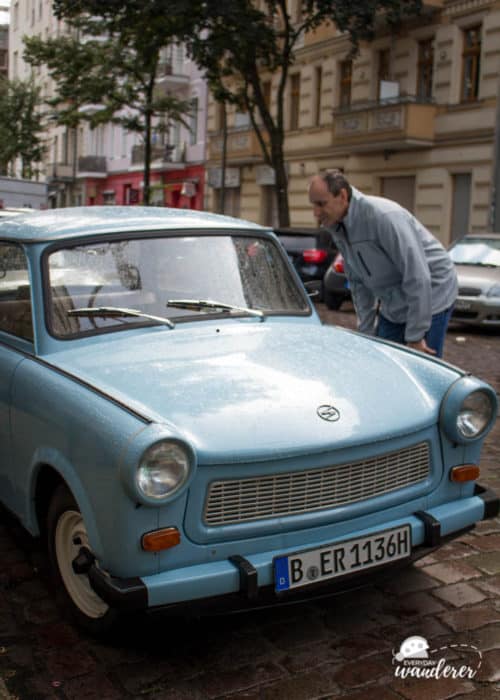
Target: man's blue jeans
434,336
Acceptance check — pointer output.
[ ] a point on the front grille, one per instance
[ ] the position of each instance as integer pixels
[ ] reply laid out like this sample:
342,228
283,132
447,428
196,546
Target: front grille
279,495
464,314
469,292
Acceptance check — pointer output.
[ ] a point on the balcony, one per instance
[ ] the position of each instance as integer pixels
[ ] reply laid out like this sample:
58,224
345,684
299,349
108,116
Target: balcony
171,77
60,172
88,166
92,164
242,145
395,124
162,154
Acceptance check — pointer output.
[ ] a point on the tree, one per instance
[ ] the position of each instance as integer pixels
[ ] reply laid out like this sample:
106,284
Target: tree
106,68
242,46
20,125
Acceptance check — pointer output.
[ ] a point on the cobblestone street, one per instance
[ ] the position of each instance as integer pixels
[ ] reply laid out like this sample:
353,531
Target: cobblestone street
340,647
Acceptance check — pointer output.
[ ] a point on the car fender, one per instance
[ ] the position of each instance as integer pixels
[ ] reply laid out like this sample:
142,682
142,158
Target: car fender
49,456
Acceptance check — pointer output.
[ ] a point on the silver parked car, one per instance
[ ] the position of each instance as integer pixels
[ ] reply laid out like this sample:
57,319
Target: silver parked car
477,259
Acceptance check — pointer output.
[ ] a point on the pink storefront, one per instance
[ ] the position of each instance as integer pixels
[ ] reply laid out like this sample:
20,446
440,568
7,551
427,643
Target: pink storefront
182,188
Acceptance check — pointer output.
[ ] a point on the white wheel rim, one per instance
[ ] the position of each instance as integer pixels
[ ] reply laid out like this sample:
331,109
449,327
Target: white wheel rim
70,536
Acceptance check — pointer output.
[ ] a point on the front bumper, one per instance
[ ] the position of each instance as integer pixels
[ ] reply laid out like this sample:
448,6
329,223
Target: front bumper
477,310
247,581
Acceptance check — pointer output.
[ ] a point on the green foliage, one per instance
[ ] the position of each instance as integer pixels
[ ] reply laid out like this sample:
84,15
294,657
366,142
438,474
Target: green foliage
106,65
20,125
245,43
237,43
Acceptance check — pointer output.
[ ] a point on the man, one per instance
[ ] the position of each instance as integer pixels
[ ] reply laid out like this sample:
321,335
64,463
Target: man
392,262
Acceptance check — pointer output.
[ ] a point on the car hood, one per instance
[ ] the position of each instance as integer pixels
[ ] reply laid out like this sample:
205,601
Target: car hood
248,390
475,276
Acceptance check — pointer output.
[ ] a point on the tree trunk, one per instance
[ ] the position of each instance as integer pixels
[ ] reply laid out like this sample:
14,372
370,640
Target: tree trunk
281,185
222,201
146,196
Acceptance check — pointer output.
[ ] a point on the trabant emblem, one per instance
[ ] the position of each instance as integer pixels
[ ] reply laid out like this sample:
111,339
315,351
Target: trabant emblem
327,412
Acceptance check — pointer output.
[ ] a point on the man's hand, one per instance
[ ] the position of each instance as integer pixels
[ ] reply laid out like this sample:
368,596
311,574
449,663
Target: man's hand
422,346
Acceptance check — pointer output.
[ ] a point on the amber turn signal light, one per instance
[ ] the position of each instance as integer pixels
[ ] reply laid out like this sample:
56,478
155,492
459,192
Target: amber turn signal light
158,540
467,472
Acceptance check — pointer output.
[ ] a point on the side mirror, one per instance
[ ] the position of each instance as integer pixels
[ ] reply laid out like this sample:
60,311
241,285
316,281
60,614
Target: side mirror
312,289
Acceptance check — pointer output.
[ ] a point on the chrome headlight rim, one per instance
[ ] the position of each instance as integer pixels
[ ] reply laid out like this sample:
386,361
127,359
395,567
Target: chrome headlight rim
179,484
453,407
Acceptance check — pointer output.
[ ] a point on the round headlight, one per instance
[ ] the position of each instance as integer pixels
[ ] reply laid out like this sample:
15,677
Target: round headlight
163,470
475,414
468,410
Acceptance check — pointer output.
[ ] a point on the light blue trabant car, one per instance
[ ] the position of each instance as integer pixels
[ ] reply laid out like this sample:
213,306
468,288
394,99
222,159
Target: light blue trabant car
183,430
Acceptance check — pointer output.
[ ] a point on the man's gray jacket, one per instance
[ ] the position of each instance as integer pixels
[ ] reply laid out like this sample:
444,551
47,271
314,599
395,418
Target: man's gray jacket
392,259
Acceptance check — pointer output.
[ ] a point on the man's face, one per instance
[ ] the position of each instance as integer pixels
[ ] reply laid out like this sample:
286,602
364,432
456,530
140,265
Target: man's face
328,209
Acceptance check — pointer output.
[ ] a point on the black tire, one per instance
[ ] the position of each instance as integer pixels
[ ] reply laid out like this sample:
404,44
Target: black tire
333,301
66,533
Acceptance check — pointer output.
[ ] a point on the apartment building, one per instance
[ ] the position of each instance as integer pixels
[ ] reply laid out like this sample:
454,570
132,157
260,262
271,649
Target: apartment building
413,117
4,49
105,165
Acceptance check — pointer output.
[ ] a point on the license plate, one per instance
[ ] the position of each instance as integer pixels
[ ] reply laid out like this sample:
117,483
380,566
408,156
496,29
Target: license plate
341,558
462,305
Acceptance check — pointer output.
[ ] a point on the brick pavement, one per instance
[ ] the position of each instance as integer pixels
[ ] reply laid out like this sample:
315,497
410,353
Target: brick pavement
338,648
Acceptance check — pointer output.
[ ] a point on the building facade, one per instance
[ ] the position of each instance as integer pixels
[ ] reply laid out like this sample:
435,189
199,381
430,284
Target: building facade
105,165
4,49
413,117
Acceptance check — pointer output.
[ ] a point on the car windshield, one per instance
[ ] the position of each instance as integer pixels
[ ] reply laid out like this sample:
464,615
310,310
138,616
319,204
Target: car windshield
476,251
118,283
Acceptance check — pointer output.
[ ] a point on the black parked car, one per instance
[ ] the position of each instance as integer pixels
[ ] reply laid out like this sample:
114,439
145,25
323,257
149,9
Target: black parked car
335,285
311,251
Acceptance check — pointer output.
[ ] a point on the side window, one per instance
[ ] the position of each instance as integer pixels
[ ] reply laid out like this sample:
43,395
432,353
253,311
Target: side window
15,297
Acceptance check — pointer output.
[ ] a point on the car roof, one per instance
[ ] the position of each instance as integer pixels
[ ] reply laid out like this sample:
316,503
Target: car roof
478,234
73,222
14,211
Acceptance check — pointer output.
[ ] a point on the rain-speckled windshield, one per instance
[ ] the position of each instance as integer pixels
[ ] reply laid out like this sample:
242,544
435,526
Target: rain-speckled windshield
91,286
475,250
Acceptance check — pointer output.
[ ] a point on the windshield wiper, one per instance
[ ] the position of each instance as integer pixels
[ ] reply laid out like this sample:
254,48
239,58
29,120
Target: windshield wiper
199,304
475,264
116,312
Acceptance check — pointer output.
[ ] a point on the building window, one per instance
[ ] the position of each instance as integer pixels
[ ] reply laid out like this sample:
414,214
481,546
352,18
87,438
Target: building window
242,120
193,125
461,200
384,71
471,58
232,201
65,148
109,197
318,89
345,83
425,69
294,101
131,195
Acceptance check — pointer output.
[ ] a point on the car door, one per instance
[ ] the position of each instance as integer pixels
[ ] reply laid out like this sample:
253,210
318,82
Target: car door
16,339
